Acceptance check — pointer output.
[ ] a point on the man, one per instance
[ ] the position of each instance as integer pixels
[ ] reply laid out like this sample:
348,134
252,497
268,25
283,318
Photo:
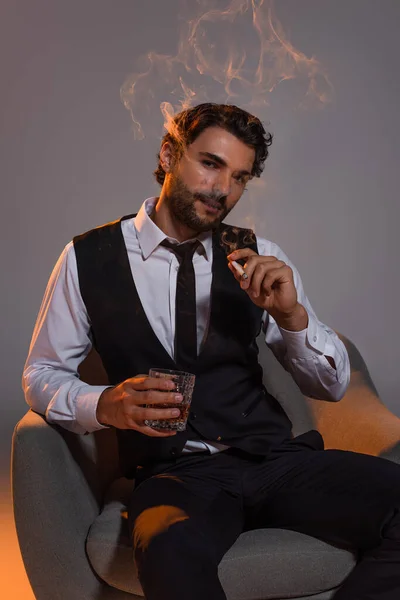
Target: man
237,466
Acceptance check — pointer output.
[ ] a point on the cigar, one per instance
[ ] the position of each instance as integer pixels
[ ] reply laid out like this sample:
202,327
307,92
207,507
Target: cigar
239,269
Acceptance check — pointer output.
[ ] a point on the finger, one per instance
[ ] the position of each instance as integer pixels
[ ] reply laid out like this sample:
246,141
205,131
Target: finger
263,280
240,271
247,253
269,263
147,414
242,261
241,275
235,272
275,279
249,269
146,430
156,397
258,280
241,253
144,382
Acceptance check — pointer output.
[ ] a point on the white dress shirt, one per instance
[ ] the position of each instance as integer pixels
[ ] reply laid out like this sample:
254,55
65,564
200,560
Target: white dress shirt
62,339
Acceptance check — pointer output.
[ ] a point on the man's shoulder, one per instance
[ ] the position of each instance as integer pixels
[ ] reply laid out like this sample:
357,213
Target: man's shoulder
102,232
269,248
97,232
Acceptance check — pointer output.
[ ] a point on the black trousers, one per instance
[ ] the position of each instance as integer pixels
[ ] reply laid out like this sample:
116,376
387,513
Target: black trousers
185,514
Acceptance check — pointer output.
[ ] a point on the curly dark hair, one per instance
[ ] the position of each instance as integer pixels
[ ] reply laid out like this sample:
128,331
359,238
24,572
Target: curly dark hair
189,124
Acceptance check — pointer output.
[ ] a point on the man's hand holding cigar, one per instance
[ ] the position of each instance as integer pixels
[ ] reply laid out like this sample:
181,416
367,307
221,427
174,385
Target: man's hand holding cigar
269,283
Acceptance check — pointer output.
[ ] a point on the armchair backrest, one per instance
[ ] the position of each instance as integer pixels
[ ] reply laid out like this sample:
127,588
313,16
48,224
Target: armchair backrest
360,422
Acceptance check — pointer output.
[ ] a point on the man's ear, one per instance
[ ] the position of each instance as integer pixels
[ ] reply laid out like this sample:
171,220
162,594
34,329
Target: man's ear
167,157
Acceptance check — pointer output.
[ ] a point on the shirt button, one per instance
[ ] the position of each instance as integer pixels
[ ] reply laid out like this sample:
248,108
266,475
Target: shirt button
173,451
315,338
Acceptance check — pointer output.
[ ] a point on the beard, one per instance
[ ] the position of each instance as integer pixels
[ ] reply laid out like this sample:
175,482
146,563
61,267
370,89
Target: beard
181,203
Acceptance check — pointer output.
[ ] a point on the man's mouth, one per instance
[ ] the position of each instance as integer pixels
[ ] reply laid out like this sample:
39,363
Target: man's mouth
211,205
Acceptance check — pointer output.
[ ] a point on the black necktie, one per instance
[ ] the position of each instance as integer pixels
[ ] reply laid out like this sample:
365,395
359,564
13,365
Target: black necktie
185,305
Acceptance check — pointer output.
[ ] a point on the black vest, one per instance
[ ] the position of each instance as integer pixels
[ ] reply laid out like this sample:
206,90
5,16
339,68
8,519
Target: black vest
230,404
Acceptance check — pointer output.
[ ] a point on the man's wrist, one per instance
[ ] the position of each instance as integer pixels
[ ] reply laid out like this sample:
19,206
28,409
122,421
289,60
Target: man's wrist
101,412
86,401
295,321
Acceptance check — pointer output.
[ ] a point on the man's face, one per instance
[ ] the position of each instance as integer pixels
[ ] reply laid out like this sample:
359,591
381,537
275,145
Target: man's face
203,186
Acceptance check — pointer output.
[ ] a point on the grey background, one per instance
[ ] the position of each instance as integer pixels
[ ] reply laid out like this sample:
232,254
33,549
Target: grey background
69,161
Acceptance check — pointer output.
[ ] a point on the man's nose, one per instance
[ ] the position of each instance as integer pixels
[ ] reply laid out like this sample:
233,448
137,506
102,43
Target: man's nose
223,184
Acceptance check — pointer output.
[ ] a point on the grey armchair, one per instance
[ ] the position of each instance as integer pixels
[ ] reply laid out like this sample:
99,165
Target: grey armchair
70,502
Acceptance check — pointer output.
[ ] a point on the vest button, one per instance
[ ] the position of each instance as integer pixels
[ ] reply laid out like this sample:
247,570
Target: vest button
173,451
193,416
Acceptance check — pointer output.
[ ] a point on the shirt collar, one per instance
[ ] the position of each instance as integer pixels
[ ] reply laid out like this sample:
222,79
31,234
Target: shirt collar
150,236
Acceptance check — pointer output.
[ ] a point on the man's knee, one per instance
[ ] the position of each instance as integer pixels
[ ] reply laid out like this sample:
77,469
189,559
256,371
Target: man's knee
164,541
152,522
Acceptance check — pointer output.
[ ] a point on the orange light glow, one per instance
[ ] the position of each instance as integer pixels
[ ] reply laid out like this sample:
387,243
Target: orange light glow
153,521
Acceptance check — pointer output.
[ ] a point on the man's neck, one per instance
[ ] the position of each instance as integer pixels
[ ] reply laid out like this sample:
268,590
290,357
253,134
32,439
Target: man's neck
164,221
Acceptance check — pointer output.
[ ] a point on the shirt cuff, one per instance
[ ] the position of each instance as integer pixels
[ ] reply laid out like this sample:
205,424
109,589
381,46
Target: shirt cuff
86,406
307,342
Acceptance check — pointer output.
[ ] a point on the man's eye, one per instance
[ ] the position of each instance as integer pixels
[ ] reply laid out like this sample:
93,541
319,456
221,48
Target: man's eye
209,163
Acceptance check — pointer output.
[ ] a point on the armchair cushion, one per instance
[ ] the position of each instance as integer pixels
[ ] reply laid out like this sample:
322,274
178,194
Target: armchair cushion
266,563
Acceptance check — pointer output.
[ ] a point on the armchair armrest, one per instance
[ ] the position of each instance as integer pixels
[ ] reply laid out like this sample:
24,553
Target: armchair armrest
57,490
